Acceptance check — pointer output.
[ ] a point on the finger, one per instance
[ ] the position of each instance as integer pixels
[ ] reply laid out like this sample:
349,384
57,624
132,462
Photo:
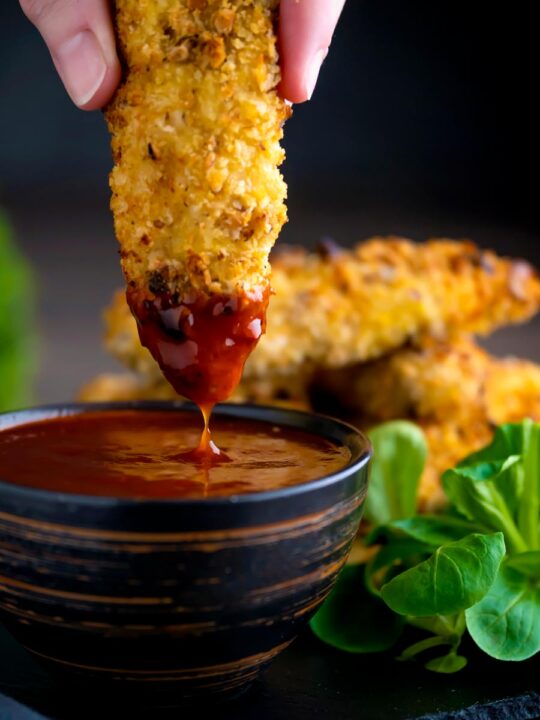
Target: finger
305,32
81,41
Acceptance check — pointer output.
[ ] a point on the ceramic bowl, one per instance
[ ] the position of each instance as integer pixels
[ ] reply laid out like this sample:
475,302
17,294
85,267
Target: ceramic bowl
185,597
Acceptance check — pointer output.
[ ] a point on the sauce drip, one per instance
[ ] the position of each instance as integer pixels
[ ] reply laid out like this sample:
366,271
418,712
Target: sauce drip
148,454
207,447
207,453
201,343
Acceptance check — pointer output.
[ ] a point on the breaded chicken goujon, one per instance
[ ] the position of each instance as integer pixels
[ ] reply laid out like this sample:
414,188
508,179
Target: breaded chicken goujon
455,391
198,200
335,310
338,307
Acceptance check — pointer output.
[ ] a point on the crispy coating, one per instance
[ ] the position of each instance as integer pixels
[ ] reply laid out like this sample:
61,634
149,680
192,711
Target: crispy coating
456,392
124,387
122,340
513,391
435,382
333,310
198,199
448,443
336,308
438,382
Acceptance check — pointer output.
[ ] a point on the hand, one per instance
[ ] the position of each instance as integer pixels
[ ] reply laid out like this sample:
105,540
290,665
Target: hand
81,41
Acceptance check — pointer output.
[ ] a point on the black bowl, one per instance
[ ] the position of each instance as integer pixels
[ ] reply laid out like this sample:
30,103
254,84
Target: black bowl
183,597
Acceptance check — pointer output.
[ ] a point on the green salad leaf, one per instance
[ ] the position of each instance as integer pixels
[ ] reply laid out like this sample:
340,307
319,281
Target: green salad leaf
455,577
450,663
506,622
500,485
474,568
401,451
354,620
447,631
527,563
392,559
433,530
17,351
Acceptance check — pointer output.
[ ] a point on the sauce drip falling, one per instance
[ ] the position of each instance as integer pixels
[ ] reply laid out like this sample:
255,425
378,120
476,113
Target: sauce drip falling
206,445
201,343
207,454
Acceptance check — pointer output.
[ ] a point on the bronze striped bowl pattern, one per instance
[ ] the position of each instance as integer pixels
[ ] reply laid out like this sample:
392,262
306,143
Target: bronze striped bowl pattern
178,597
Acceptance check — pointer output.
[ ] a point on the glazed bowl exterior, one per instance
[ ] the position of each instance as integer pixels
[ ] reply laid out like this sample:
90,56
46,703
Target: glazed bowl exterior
189,597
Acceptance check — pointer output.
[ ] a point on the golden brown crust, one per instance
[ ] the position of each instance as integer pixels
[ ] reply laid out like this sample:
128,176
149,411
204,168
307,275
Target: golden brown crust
456,392
124,387
198,199
513,391
438,381
336,310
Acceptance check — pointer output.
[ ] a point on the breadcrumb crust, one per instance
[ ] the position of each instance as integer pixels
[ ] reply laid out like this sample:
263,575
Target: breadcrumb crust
198,200
331,311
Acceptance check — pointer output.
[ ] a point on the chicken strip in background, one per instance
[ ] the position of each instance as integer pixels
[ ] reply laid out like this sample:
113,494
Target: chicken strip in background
435,382
456,392
198,200
339,307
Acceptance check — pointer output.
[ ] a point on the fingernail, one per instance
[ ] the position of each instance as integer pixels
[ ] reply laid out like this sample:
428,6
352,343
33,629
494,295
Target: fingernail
313,71
82,66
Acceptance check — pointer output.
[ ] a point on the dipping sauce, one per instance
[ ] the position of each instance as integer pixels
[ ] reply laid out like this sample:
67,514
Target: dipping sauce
148,454
201,343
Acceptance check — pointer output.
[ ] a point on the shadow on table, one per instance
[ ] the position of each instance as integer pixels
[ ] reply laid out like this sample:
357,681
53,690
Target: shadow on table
308,681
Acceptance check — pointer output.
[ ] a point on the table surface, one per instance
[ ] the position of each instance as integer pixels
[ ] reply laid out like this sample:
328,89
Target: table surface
308,681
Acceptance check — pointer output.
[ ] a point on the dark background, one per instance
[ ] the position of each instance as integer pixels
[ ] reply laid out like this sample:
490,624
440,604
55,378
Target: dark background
422,124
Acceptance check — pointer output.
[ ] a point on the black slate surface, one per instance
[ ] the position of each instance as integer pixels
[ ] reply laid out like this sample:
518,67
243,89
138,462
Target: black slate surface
308,681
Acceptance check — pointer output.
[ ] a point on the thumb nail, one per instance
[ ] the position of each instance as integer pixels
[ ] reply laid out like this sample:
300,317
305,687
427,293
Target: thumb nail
312,73
82,66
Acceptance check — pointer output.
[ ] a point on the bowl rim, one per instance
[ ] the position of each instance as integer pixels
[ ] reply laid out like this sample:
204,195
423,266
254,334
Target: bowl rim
359,445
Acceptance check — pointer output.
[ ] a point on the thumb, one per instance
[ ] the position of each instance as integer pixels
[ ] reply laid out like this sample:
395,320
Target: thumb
80,38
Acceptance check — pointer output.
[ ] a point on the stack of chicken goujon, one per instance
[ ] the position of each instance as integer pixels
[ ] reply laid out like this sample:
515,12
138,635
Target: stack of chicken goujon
382,331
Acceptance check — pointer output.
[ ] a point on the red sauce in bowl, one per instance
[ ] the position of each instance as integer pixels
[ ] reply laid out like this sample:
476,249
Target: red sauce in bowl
136,454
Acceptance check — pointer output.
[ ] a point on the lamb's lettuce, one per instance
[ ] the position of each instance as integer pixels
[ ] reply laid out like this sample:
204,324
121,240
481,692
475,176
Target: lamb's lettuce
353,620
401,450
455,577
17,350
506,622
473,568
